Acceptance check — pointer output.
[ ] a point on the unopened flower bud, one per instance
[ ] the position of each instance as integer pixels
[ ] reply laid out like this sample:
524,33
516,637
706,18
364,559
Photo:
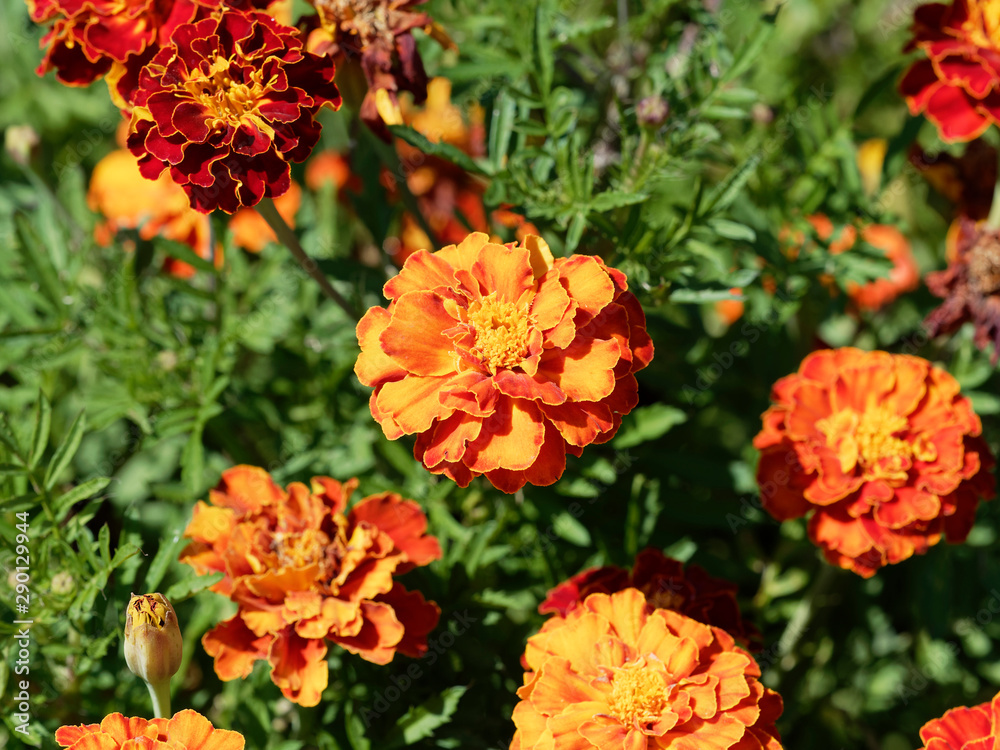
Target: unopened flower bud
153,645
652,111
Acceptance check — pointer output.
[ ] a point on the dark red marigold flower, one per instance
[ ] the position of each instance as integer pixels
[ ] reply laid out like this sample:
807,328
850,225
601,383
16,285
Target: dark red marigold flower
667,584
970,286
958,85
228,106
88,37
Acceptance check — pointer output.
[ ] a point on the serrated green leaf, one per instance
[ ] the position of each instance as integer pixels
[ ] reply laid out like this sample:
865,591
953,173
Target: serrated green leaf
441,149
40,430
420,721
65,452
613,199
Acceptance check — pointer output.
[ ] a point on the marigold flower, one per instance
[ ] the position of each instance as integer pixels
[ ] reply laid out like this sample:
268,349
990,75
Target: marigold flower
881,449
501,359
87,38
616,673
970,286
975,728
667,584
304,571
378,35
228,106
159,207
958,85
187,730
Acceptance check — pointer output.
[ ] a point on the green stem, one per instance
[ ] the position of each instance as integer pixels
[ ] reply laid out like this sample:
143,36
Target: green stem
993,220
287,237
160,695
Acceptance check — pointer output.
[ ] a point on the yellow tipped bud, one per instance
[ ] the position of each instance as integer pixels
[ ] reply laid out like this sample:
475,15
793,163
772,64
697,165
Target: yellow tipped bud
153,644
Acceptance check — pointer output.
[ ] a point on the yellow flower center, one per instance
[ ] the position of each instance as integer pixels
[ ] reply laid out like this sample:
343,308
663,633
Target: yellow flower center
227,99
301,548
984,264
870,439
876,436
502,332
638,695
149,609
983,25
366,19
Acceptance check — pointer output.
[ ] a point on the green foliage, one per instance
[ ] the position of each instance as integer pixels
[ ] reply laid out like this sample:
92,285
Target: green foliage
125,391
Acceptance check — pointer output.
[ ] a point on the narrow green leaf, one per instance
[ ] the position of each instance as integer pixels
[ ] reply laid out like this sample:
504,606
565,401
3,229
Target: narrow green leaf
180,251
193,461
37,260
8,438
501,129
545,57
575,232
81,492
570,529
190,586
165,555
40,430
726,191
65,452
748,53
443,150
104,542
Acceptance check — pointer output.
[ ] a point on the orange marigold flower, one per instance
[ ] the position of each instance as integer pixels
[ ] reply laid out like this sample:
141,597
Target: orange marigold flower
618,674
970,286
667,585
501,359
303,571
958,85
159,207
228,106
881,449
974,728
187,730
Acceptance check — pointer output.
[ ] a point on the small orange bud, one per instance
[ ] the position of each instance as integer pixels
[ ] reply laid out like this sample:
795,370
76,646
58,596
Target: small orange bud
153,643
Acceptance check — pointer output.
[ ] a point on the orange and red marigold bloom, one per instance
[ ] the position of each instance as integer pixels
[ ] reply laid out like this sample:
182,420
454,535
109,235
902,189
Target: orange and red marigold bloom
378,36
970,286
228,106
667,584
962,728
303,571
187,730
881,449
617,674
958,85
501,359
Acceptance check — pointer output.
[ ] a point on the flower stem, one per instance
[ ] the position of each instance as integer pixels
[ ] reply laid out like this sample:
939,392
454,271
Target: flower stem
993,220
160,695
287,238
